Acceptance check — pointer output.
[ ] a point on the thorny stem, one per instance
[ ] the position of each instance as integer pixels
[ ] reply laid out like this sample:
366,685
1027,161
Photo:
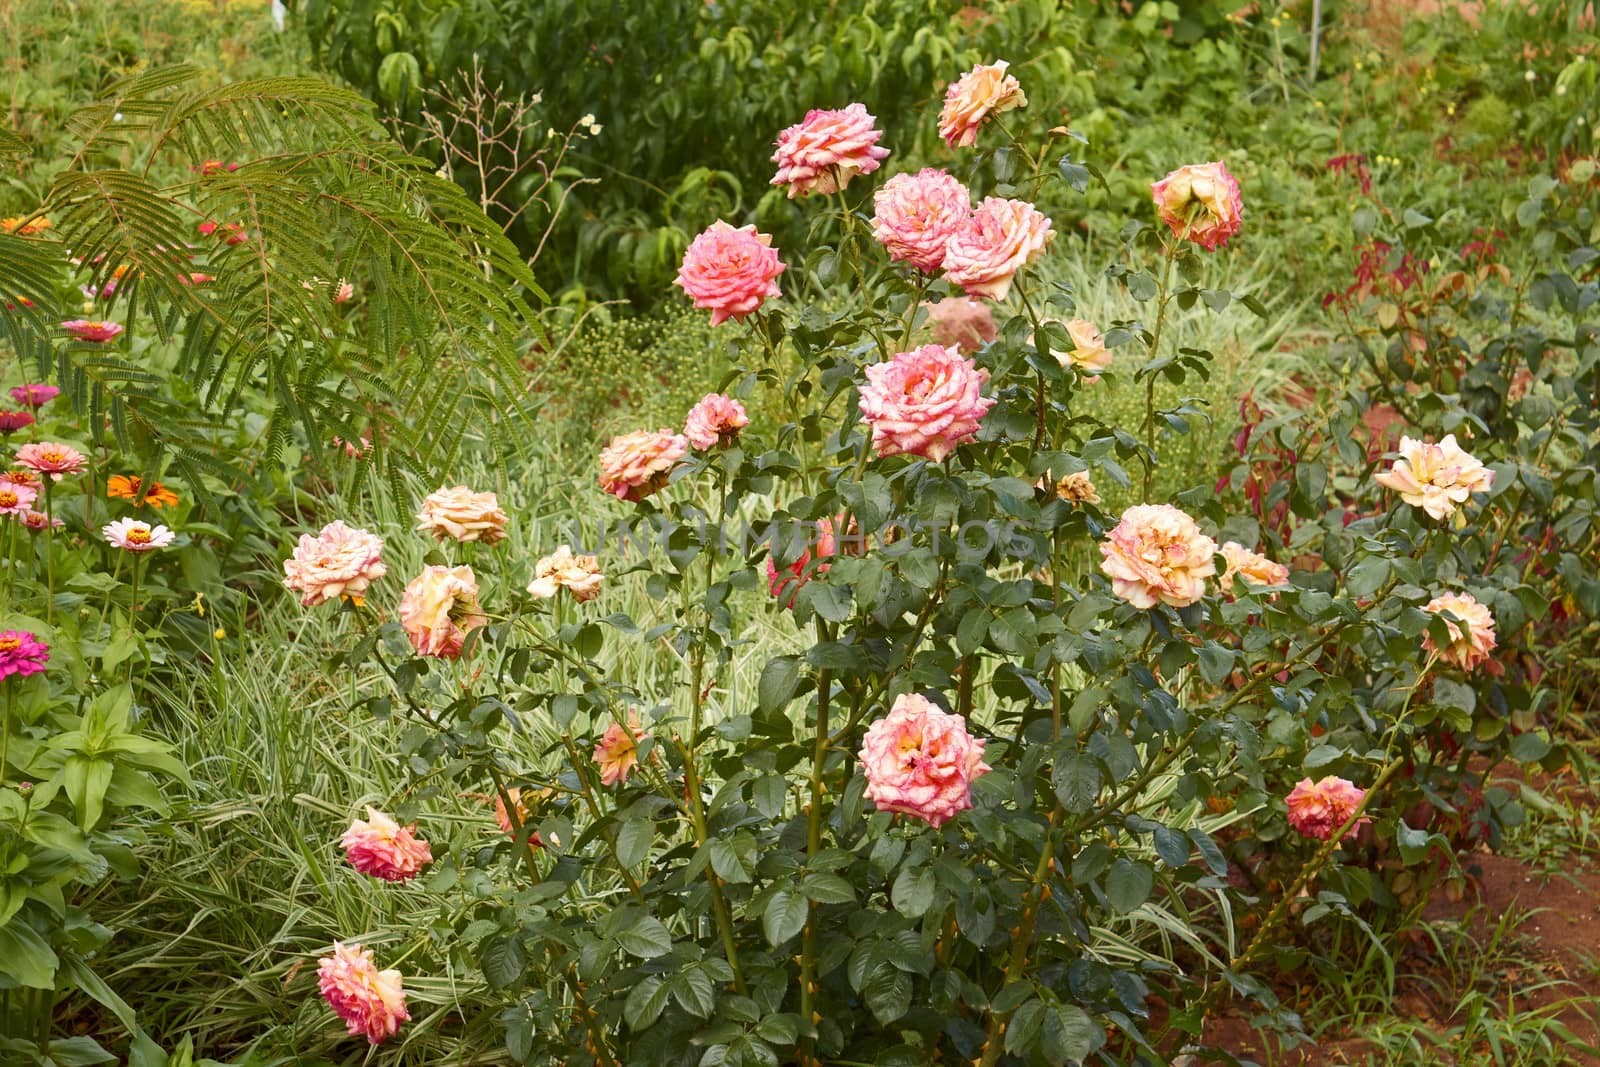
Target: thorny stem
1022,936
808,942
1168,254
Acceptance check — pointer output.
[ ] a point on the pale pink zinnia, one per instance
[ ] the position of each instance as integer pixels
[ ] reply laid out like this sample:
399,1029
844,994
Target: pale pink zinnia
459,513
341,561
38,520
617,751
1157,555
731,271
382,848
16,499
22,654
822,152
1253,567
635,465
1000,238
1200,202
1319,809
1472,639
924,402
371,1002
578,575
134,535
921,761
915,215
439,608
1437,478
716,419
785,582
983,91
92,330
50,458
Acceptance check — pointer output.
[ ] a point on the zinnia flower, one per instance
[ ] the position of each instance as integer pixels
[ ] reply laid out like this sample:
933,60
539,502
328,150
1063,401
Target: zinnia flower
730,270
460,513
617,751
56,460
135,535
636,465
1256,569
716,419
1157,555
1000,238
233,233
821,153
341,561
92,330
25,227
439,608
34,395
786,582
1201,202
16,499
982,91
384,849
370,1001
1436,477
1318,809
128,487
21,476
579,575
38,520
21,654
1089,354
921,761
12,421
924,402
962,323
915,215
1471,639
1077,488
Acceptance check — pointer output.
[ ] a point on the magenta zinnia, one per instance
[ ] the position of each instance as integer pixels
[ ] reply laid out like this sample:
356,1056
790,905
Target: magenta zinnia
21,654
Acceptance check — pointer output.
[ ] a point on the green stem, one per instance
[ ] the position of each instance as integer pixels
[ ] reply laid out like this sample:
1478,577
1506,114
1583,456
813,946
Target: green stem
992,1045
49,549
1169,253
5,732
819,755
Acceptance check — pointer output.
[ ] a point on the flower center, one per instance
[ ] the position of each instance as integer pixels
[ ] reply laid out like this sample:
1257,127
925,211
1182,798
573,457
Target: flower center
139,535
10,644
8,498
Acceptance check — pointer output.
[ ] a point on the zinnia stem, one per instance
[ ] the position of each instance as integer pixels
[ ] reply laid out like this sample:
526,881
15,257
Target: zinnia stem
49,549
5,733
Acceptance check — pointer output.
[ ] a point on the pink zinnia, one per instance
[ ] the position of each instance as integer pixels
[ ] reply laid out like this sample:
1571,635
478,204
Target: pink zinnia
12,421
821,153
617,751
716,419
924,402
371,1002
34,395
636,465
1472,639
92,330
1000,238
982,91
439,608
134,535
21,654
341,561
383,848
38,520
921,761
1318,809
16,499
1157,555
730,270
1200,202
915,215
785,582
56,460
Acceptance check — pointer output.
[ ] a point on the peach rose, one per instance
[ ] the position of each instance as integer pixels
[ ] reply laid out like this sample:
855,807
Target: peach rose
579,575
731,271
383,848
1436,477
716,419
1201,203
371,1002
1000,238
822,152
1256,569
439,608
502,817
921,761
1157,555
784,583
962,323
1318,809
617,751
459,513
341,561
915,215
1471,639
1077,489
982,91
636,465
924,402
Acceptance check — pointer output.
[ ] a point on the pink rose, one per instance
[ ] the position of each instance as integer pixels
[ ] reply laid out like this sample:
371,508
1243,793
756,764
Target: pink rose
635,465
915,215
921,761
824,151
1000,238
341,561
371,1002
439,608
716,419
382,848
1318,809
730,270
982,91
1471,640
1437,478
962,323
1157,555
784,583
924,402
1256,569
617,751
1200,202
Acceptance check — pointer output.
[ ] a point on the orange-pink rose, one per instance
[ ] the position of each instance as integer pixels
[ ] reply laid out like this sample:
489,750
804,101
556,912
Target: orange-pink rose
1256,569
382,848
982,91
1319,809
1437,478
716,419
962,323
341,561
578,575
1472,639
730,270
921,761
915,215
924,402
636,465
1000,238
1200,202
617,751
822,152
371,1002
439,608
1089,354
459,513
785,582
1157,555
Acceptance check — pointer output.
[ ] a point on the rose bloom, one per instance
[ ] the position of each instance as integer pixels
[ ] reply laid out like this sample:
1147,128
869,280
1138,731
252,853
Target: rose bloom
1157,555
1089,354
34,395
1436,477
921,761
1076,488
821,153
128,487
1255,568
617,751
982,91
460,513
439,608
716,419
730,270
786,582
21,654
915,215
12,421
579,575
962,323
1318,809
384,849
1001,238
341,561
924,402
1471,639
636,465
92,330
137,536
370,1001
56,460
1201,202
38,520
16,499
503,819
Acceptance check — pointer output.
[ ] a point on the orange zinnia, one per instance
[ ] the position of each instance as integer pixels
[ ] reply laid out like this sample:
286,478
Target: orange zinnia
128,486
